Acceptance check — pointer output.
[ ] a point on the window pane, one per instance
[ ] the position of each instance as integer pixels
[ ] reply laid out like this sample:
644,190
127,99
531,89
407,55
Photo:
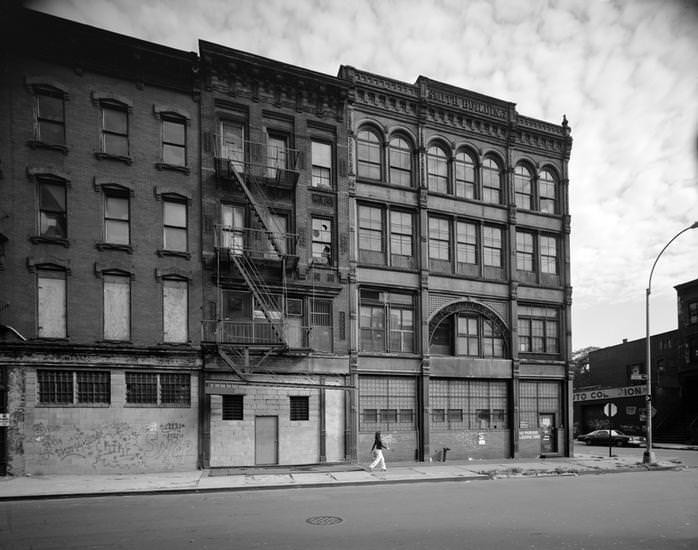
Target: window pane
141,388
116,232
174,154
50,107
321,154
175,389
55,386
175,239
52,305
116,145
115,120
117,307
175,214
93,387
175,311
173,132
50,132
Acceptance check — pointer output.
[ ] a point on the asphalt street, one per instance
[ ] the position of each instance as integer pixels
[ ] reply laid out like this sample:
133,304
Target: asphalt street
624,511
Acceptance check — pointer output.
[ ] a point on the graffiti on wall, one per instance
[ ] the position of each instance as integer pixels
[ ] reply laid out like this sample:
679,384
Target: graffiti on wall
114,444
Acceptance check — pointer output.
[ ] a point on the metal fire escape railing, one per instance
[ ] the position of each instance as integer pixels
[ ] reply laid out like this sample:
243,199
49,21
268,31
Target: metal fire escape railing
276,167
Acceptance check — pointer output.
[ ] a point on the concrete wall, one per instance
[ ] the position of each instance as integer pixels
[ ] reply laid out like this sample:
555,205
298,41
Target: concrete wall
470,444
114,438
233,441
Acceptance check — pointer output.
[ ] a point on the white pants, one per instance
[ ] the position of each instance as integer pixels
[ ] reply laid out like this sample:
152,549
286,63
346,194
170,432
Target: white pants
378,460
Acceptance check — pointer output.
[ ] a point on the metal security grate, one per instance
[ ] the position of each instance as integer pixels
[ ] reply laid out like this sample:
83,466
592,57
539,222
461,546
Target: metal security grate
55,386
94,387
233,407
175,389
141,387
300,407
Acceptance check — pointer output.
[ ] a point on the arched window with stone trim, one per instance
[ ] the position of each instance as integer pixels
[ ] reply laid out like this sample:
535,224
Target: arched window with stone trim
523,187
466,186
547,192
468,329
491,181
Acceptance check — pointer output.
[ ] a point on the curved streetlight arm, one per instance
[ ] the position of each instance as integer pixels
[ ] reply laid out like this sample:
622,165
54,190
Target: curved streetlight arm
649,282
648,456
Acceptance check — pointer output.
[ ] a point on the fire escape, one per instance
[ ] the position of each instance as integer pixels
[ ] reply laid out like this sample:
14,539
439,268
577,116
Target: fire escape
252,169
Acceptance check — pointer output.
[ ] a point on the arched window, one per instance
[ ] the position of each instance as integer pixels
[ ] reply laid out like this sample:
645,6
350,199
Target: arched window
368,154
491,182
468,333
523,188
465,175
400,161
546,192
437,170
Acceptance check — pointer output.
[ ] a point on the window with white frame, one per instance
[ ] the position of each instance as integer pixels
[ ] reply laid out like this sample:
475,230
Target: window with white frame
117,306
52,303
321,154
175,310
232,235
466,243
468,334
492,248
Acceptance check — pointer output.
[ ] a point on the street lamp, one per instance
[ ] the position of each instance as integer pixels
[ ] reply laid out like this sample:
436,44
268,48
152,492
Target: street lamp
648,456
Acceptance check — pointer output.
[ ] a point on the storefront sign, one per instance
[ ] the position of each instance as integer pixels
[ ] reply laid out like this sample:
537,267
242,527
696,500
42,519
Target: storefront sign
4,420
529,434
222,388
610,393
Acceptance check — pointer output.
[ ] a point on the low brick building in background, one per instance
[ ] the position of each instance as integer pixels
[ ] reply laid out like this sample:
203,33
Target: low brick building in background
617,374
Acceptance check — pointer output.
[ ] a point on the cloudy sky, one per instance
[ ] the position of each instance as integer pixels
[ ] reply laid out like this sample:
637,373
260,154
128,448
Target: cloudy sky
623,71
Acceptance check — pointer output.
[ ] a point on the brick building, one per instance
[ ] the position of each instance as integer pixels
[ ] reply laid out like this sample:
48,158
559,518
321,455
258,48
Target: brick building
674,356
460,272
275,251
221,260
100,279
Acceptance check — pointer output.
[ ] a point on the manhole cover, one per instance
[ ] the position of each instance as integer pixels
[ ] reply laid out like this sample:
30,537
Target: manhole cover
324,520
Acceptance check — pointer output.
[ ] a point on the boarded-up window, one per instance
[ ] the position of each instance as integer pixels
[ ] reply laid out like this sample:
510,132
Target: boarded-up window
175,310
52,304
117,307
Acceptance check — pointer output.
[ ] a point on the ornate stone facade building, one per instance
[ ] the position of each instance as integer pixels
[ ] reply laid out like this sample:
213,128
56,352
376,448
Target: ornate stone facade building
221,260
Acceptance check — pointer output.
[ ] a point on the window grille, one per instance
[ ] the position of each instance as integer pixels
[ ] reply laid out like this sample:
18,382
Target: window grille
387,403
175,389
300,407
233,407
142,388
468,404
536,398
74,387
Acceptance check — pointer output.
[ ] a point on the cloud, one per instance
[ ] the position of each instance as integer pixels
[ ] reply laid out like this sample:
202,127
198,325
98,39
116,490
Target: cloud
622,71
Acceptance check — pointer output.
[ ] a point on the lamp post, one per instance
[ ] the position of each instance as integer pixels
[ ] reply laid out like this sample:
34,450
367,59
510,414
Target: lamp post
648,456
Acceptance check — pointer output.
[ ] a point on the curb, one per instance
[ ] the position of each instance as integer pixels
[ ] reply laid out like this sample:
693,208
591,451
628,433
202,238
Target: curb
200,490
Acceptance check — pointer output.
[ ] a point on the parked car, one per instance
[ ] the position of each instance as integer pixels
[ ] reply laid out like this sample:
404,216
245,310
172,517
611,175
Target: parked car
600,437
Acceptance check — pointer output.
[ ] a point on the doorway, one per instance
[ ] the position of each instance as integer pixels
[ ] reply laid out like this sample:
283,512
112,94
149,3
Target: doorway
266,440
548,433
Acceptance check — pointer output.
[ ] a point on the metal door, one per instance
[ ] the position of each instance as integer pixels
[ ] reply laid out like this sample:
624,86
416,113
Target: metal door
266,440
548,435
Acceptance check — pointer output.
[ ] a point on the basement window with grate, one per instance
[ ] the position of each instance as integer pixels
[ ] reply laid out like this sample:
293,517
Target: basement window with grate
300,409
233,407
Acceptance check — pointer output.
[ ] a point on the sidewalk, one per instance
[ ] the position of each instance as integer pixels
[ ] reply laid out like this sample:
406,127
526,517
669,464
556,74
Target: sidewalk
589,461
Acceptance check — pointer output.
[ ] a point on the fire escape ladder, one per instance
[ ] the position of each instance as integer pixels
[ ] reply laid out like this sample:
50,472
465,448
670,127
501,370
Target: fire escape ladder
226,355
257,199
261,293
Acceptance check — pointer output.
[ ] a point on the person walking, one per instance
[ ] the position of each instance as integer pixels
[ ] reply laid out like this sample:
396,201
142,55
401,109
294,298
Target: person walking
377,450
